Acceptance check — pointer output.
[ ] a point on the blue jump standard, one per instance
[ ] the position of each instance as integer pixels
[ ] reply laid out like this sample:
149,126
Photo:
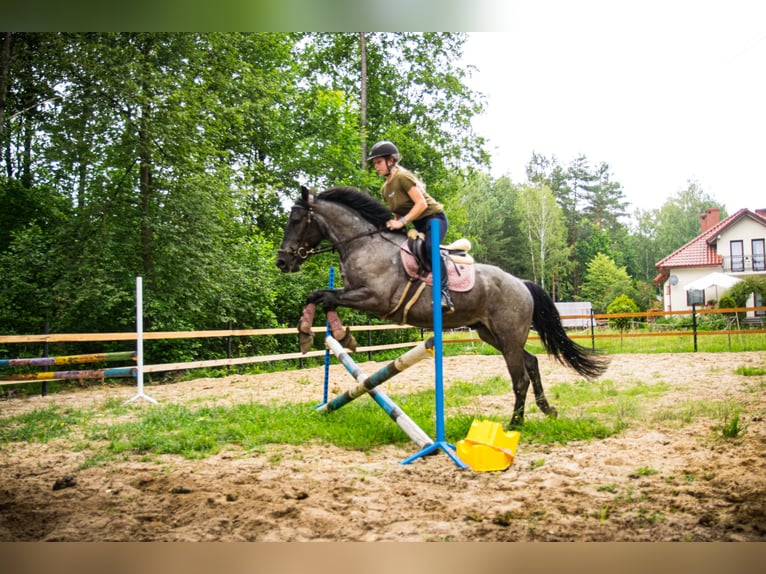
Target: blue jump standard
440,443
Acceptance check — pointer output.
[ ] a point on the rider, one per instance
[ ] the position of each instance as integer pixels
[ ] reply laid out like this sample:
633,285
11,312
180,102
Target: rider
407,198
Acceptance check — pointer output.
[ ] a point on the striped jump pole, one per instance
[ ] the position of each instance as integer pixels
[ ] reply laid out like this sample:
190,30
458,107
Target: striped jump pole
410,427
367,383
69,360
77,375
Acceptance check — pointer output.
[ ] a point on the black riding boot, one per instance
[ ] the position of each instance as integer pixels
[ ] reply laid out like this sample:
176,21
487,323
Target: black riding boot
447,306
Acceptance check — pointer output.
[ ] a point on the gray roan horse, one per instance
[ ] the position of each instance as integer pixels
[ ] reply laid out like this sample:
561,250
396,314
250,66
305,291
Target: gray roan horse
500,307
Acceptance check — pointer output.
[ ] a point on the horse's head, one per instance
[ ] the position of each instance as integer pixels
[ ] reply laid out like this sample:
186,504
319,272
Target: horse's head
302,234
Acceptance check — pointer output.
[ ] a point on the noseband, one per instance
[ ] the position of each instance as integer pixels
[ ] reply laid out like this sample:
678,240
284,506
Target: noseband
304,251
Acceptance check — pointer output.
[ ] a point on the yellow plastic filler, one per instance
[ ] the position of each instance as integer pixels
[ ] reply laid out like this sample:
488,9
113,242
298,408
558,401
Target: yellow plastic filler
487,447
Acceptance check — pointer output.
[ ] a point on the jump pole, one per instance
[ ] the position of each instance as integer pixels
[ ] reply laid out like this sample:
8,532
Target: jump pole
140,345
368,384
440,442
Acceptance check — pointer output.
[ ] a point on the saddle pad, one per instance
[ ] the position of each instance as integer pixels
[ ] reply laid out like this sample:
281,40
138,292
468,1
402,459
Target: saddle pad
461,276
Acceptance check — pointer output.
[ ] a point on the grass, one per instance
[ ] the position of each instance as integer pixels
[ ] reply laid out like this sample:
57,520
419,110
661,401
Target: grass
747,371
588,411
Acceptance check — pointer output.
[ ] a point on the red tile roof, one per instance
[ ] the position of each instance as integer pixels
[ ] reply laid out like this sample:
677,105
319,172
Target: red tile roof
701,251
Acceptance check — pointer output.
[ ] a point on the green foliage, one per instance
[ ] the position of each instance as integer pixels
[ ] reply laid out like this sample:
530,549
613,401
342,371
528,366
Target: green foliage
726,302
748,371
621,304
542,225
174,155
592,206
604,282
740,292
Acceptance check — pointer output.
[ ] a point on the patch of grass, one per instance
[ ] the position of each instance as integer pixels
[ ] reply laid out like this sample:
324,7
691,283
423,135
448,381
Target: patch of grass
684,412
198,429
608,488
727,412
646,471
42,425
746,371
730,426
565,429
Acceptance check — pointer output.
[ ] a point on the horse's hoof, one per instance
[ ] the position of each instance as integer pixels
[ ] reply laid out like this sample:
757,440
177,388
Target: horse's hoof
348,341
515,424
305,341
553,413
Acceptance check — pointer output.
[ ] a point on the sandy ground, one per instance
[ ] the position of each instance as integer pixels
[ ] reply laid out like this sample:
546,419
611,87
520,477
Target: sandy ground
705,488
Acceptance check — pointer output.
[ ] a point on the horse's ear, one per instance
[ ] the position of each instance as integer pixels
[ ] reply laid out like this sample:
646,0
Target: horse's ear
305,193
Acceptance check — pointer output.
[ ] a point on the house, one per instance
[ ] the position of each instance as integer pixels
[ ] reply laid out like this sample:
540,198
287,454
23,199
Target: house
724,252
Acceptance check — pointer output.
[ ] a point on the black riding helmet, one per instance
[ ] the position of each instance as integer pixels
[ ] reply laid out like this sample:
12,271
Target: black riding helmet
384,148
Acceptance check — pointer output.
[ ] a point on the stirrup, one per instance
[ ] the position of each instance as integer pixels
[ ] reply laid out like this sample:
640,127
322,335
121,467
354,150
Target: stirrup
447,305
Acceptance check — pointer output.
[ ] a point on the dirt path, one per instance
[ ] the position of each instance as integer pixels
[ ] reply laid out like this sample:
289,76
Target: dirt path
703,489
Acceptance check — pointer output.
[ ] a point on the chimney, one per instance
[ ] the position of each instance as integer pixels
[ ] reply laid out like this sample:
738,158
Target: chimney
709,219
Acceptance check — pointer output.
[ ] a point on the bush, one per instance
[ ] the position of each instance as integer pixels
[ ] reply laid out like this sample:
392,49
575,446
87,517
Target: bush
622,304
727,302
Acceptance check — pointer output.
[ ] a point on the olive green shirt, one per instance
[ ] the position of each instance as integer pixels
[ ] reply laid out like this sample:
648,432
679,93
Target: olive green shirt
394,192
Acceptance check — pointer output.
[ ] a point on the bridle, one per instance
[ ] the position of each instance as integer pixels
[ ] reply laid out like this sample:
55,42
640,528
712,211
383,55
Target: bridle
303,252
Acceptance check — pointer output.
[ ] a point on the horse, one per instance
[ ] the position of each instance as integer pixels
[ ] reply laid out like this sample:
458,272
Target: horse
500,307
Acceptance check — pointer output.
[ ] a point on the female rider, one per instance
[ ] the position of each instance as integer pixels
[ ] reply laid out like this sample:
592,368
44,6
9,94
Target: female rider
408,200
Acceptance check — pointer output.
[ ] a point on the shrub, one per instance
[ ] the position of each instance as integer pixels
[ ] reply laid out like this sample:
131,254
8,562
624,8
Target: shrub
622,304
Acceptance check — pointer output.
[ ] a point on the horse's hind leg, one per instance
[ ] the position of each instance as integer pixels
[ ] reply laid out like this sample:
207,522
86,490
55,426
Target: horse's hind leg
515,361
533,370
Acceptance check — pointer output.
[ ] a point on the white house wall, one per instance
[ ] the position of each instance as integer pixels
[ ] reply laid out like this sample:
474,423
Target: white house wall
675,295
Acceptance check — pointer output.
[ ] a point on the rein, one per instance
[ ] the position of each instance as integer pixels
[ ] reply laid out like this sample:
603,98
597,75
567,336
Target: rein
304,252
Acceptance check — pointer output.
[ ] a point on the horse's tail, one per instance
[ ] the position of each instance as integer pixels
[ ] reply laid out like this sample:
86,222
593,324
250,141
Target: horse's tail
547,322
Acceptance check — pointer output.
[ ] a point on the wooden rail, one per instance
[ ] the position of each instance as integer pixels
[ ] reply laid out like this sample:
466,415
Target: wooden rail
231,361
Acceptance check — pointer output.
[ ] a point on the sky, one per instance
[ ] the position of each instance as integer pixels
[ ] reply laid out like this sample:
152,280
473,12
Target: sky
663,92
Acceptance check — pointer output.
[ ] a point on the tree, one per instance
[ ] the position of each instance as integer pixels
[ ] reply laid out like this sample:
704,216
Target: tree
543,226
173,156
622,304
415,96
678,220
604,281
592,206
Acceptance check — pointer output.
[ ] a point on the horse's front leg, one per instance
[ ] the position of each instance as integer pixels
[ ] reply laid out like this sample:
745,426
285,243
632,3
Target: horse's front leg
305,334
328,299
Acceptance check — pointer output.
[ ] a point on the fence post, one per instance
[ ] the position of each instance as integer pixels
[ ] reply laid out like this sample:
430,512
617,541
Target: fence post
694,324
592,331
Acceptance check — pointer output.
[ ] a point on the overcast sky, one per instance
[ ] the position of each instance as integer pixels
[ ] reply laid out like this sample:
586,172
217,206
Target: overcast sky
663,92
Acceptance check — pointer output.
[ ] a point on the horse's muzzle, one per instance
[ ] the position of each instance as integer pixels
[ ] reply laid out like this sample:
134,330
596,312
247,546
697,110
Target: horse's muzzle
288,264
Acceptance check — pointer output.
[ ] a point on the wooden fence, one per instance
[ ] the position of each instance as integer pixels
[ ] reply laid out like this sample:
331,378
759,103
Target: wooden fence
597,322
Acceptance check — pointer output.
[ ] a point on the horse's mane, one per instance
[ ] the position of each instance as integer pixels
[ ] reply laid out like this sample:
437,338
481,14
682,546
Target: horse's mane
360,201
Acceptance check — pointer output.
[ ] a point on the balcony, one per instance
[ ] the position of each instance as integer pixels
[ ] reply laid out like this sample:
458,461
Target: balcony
744,264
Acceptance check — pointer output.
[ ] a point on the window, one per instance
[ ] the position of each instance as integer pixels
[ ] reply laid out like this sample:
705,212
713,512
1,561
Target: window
759,255
759,303
737,256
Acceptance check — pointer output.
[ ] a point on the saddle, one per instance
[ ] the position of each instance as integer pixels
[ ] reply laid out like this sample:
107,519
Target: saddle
459,263
460,270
